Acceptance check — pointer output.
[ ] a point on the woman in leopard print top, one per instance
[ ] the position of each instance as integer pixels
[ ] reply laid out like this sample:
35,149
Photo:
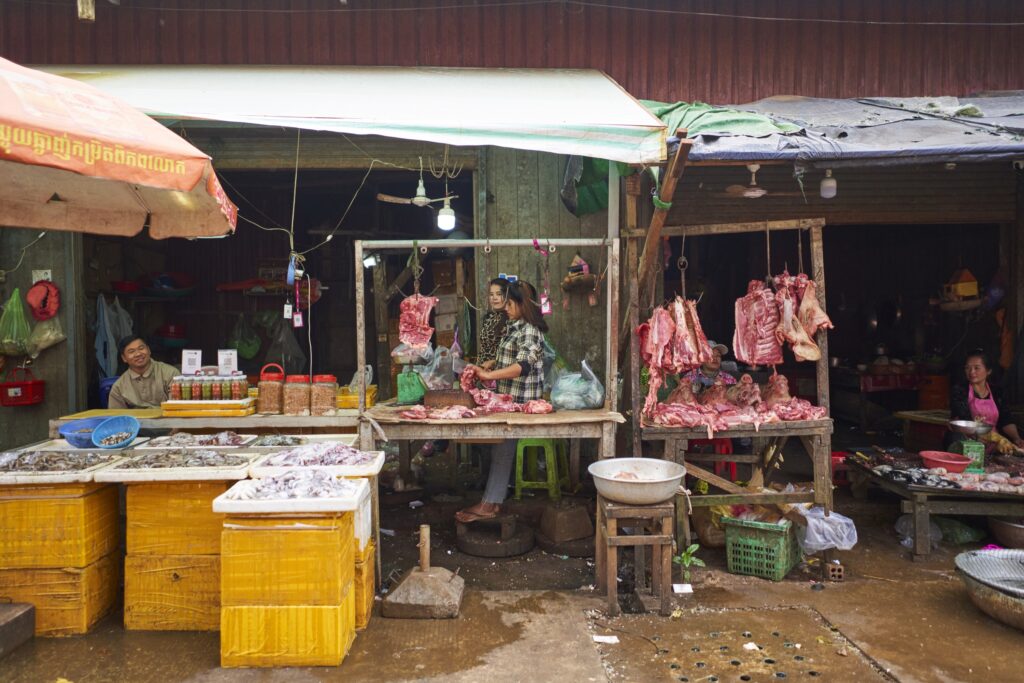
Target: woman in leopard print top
492,329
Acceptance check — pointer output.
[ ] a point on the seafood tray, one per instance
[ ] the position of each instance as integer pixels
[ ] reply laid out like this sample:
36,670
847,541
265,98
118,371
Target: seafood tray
125,472
63,445
165,442
72,476
371,469
264,442
233,501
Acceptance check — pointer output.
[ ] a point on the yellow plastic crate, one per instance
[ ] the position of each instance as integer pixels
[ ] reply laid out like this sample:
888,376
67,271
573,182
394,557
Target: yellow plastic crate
350,399
59,525
172,592
67,601
365,588
287,636
175,518
287,561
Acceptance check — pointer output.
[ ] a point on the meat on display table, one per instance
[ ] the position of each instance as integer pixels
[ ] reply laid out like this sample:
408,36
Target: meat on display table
769,440
921,502
253,424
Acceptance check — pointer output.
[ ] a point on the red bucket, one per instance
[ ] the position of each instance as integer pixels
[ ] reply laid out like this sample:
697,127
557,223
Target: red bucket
24,392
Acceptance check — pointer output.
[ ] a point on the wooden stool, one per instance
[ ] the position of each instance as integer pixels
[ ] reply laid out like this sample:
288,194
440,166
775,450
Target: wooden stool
654,523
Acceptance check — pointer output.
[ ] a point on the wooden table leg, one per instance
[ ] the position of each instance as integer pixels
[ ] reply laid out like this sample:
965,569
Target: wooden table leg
574,463
606,444
612,569
682,533
640,560
375,504
922,533
600,547
666,569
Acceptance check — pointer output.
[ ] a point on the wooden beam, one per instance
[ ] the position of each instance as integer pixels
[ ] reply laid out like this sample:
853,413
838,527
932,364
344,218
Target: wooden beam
87,10
400,281
612,338
380,319
666,194
360,277
698,230
818,273
634,186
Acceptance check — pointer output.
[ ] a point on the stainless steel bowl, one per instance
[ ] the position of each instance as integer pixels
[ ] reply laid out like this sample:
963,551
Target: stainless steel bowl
655,480
970,427
1009,532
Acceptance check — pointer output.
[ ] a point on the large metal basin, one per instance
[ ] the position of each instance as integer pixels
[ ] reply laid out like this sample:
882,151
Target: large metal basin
656,480
998,605
1009,531
970,427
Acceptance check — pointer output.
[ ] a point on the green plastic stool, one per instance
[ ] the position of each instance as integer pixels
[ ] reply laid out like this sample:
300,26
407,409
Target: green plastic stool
556,462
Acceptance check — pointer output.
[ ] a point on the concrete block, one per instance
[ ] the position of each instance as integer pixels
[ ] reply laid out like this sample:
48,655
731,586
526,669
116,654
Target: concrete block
561,523
432,594
17,626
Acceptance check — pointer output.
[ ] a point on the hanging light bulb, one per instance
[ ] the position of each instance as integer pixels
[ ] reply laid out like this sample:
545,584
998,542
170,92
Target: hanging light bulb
446,216
828,185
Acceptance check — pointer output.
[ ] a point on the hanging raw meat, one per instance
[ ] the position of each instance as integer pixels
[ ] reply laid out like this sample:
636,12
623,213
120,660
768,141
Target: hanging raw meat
812,317
414,328
690,347
790,330
655,339
757,317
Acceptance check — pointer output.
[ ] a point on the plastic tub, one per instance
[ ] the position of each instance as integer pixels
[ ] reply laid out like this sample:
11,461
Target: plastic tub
951,461
637,481
113,425
73,434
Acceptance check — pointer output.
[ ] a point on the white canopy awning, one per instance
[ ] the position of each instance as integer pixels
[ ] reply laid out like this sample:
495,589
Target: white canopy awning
563,111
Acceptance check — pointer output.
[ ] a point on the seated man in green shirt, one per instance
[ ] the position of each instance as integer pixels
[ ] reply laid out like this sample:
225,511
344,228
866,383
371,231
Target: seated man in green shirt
147,382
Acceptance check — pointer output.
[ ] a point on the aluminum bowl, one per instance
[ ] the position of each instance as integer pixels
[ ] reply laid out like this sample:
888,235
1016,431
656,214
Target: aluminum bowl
1008,531
970,427
656,480
1007,609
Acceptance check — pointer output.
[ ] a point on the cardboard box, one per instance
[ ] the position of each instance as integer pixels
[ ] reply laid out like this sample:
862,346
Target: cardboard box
448,304
445,338
443,273
445,323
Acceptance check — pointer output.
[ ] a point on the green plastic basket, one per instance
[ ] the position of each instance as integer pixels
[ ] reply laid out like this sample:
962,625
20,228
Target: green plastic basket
761,549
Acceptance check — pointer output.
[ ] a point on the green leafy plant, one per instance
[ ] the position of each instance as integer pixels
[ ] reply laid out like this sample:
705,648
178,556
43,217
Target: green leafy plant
688,558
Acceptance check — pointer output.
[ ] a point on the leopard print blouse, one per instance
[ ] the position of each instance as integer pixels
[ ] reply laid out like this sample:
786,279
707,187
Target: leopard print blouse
492,331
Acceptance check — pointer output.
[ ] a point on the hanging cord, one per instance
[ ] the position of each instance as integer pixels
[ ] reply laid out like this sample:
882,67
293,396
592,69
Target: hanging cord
295,188
800,251
768,251
683,263
417,269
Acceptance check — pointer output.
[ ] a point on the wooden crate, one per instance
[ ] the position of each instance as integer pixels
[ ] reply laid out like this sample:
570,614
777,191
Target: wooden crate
287,561
68,601
172,592
57,525
306,635
364,586
175,518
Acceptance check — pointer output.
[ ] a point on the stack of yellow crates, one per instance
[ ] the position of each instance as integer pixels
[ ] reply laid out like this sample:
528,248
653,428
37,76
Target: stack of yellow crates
59,552
287,590
172,569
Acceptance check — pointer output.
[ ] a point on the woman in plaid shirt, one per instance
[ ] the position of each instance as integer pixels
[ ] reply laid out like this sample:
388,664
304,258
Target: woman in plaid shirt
519,371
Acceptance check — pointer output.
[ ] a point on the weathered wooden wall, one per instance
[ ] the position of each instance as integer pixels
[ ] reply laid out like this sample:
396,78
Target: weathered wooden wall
523,202
711,50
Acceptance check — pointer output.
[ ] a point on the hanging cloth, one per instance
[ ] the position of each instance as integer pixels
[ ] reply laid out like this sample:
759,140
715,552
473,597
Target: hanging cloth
106,345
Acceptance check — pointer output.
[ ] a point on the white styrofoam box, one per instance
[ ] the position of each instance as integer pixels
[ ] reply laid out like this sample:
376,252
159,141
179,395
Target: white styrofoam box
447,304
164,443
83,476
445,323
63,445
224,504
364,518
148,474
260,469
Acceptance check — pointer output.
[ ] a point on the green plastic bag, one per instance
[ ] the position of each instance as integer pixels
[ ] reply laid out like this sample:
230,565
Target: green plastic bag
14,327
956,532
245,339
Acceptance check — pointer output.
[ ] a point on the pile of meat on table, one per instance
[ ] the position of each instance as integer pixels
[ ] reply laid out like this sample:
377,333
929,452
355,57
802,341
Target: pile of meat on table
766,320
487,402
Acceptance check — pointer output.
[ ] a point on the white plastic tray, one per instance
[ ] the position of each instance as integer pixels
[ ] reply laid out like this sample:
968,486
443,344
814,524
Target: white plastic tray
63,445
150,474
370,469
73,477
347,439
162,442
223,504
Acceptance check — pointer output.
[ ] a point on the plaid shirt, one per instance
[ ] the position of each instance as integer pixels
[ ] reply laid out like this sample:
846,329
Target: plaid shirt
523,343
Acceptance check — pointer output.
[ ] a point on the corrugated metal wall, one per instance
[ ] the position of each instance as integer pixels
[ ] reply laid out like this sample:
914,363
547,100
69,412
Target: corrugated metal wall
657,49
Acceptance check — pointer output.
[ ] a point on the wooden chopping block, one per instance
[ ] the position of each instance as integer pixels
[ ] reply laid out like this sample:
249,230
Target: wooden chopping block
443,398
788,510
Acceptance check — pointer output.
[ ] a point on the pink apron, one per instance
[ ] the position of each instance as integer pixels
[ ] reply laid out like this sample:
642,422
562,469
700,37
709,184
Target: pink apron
984,408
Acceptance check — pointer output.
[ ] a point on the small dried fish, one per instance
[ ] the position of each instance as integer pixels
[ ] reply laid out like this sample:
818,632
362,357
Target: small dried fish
299,483
226,438
183,458
51,461
115,438
320,454
272,440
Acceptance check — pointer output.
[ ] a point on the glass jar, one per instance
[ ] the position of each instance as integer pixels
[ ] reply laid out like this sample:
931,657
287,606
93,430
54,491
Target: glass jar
207,388
225,388
271,391
216,389
239,388
176,387
197,388
323,395
296,395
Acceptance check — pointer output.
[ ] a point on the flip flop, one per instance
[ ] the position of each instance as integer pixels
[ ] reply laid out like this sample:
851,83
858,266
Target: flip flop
467,517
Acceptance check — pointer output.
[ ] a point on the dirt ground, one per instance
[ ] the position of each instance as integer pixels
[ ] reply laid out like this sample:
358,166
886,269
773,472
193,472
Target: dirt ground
534,617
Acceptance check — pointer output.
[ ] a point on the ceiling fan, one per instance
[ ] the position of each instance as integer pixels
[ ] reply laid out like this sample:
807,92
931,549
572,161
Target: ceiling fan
419,199
753,190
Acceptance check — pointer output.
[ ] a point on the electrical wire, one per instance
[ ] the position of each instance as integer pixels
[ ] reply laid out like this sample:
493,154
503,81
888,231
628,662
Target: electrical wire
24,249
348,208
579,4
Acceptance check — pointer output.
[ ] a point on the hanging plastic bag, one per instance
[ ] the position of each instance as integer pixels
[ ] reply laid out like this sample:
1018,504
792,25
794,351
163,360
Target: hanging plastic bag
44,335
284,349
14,328
245,339
405,354
554,366
578,390
353,386
437,374
834,532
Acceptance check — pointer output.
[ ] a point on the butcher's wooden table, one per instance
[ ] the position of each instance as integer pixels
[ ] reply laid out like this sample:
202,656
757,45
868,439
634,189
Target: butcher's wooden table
769,440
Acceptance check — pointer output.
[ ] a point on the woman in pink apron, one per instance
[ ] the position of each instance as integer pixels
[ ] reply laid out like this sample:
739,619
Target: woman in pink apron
977,401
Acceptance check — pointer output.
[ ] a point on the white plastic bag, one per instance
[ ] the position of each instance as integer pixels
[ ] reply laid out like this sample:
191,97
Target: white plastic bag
354,384
44,335
437,374
905,529
835,532
578,390
405,354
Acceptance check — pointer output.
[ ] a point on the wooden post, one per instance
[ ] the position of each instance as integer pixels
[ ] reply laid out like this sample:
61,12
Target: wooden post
424,547
612,339
87,10
360,324
633,188
818,274
380,319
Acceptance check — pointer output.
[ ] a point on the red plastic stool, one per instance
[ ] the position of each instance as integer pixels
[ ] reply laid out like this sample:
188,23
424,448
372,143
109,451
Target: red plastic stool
721,447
